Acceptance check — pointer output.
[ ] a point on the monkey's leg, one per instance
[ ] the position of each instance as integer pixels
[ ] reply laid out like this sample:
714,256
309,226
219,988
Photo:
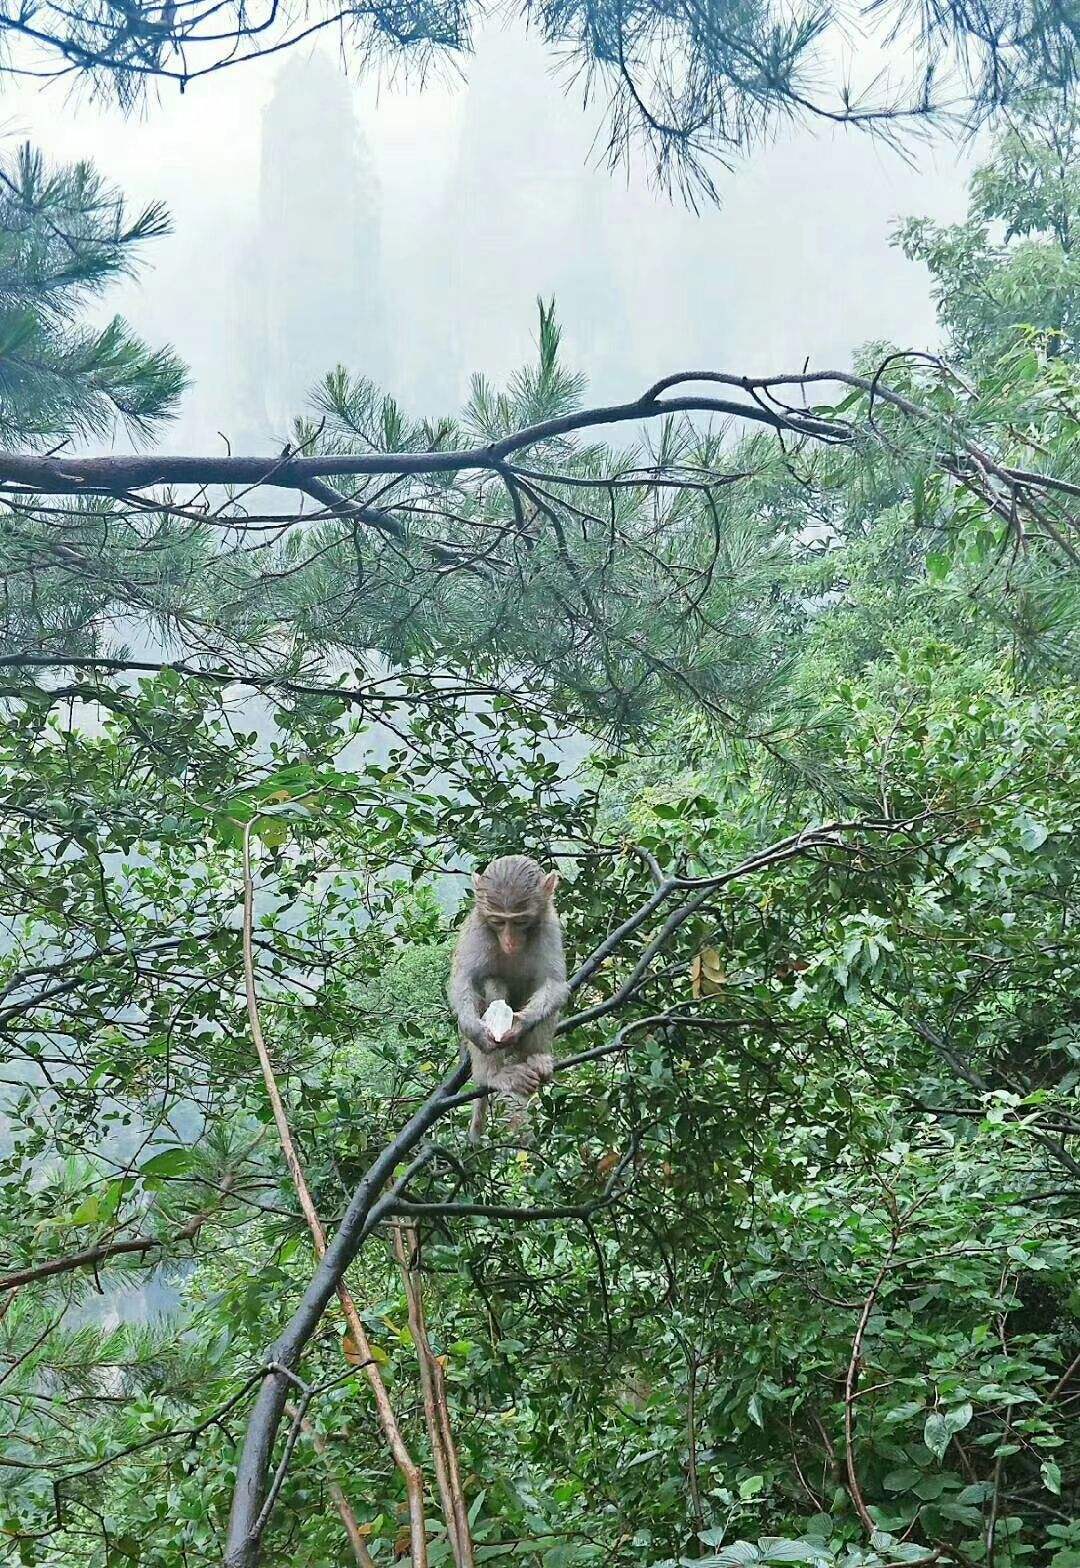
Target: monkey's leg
491,1070
536,1047
523,1078
514,1082
478,1122
483,1073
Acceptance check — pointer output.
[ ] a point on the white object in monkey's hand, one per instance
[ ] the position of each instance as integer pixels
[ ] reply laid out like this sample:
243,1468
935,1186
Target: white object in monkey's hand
499,1019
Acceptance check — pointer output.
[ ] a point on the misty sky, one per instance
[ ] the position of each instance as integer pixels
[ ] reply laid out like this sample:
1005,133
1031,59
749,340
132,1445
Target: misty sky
407,234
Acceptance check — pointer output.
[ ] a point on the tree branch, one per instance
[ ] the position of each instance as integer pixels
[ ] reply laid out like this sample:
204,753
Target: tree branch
341,1502
367,1209
387,1420
436,1407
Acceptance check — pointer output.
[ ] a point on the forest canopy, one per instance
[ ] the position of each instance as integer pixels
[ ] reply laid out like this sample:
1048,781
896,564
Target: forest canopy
685,89
780,673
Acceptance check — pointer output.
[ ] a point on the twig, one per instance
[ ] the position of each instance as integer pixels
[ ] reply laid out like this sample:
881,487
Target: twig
92,1257
341,1502
436,1406
388,1421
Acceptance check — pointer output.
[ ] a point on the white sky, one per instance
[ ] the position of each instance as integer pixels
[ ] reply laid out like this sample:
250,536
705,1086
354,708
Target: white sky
487,194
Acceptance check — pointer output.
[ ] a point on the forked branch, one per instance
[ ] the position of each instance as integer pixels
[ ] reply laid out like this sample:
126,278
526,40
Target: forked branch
370,1204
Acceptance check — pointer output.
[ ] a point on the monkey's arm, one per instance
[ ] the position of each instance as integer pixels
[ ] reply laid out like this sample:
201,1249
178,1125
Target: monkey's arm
547,1000
465,1000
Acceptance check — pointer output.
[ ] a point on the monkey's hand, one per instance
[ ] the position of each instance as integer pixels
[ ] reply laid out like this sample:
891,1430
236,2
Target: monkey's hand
485,1041
515,1031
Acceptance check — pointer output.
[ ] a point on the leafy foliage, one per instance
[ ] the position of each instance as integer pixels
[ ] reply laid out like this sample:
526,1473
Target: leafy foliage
1024,289
788,1275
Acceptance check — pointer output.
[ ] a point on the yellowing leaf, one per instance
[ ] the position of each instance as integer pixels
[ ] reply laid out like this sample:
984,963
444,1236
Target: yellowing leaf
706,972
352,1353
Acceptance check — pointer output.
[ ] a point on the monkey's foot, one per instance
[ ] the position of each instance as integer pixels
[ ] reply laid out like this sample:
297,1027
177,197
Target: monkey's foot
524,1078
544,1065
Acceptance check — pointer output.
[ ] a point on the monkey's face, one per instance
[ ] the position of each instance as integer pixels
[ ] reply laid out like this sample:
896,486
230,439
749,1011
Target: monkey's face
511,930
512,896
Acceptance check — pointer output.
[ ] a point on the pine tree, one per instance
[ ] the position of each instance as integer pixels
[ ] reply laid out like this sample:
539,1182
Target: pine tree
64,237
694,86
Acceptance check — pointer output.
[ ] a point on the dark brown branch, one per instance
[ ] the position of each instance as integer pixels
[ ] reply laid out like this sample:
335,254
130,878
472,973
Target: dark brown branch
93,1257
120,475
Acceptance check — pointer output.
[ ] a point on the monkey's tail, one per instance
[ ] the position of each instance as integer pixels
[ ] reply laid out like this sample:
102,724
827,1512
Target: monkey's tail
479,1120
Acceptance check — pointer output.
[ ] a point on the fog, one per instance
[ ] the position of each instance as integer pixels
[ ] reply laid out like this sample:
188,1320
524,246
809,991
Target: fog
407,233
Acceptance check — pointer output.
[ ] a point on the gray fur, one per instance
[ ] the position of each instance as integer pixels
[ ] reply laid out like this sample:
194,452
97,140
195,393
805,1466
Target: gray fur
532,981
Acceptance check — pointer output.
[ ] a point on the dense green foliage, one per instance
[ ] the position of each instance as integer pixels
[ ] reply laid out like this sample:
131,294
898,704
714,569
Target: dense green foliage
803,1286
64,236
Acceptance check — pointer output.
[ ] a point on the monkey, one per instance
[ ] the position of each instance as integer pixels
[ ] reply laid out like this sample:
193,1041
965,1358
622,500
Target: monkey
510,949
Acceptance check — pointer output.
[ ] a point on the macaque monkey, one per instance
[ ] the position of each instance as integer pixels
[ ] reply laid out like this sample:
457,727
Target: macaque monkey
511,950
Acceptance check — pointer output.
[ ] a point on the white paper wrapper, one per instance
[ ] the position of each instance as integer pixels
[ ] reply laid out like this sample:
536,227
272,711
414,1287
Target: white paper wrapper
499,1019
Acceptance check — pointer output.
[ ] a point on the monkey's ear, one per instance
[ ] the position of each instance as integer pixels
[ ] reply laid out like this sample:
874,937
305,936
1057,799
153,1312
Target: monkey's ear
477,878
551,882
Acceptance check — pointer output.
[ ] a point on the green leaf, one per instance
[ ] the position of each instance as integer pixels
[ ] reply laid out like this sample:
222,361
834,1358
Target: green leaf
1051,1474
733,1556
1033,834
170,1162
958,1418
778,1549
751,1487
936,1434
561,1555
88,1212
